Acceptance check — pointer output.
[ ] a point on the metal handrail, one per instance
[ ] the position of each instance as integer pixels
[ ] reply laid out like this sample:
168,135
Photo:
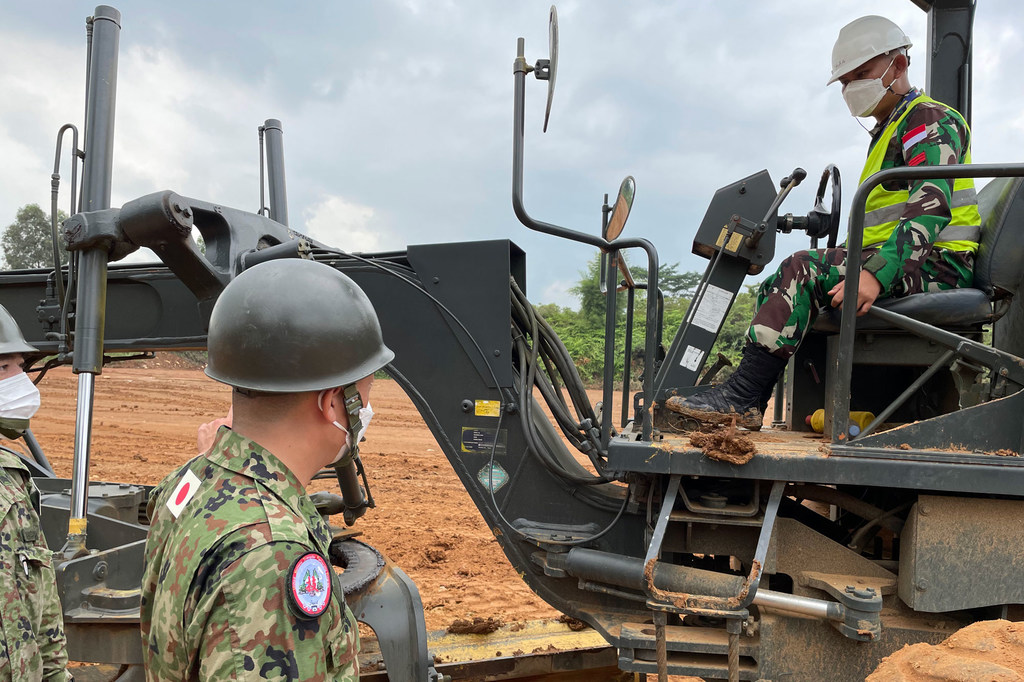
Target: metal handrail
840,399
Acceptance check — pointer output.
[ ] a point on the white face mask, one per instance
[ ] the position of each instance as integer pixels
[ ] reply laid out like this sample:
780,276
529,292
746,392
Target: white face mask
19,401
862,96
365,415
19,397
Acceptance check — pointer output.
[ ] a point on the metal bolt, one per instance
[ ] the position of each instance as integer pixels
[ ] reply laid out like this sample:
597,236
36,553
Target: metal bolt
921,585
497,353
922,509
99,572
467,406
437,280
187,212
177,206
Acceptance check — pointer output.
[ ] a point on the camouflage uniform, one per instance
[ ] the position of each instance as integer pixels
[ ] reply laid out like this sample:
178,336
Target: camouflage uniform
216,601
905,264
31,621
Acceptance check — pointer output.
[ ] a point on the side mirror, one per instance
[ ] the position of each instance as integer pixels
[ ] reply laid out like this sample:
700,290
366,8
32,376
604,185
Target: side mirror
553,61
622,207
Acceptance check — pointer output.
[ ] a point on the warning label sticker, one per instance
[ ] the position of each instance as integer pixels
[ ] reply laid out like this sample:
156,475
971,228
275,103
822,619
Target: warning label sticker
487,408
481,441
492,477
691,358
713,308
734,240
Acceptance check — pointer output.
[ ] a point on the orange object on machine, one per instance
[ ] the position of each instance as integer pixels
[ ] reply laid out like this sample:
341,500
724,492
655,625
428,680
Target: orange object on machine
858,421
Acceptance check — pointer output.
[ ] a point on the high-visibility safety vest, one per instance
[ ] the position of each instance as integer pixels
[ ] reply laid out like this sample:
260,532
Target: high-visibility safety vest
884,208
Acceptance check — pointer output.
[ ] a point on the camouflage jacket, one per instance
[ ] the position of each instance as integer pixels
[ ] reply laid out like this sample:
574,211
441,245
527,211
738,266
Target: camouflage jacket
945,140
31,621
222,587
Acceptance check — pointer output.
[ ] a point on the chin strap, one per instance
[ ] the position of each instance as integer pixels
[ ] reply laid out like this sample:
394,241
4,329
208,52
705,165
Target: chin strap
349,469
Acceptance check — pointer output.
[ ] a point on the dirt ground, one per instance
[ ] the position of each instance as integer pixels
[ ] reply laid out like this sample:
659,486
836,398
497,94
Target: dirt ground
145,422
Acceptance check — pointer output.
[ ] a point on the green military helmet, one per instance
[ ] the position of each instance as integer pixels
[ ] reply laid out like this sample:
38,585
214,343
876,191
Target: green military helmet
294,325
11,339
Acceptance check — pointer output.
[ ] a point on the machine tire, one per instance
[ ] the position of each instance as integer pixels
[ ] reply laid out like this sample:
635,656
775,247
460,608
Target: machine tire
987,650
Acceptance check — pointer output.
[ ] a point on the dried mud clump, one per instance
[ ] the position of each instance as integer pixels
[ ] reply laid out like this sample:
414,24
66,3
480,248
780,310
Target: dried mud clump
435,555
573,624
478,626
725,445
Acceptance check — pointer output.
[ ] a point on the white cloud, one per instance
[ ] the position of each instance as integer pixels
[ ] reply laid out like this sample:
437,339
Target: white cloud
558,292
346,225
397,115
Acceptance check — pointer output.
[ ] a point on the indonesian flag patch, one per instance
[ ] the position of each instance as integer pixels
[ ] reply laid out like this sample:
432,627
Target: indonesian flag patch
183,492
309,585
914,136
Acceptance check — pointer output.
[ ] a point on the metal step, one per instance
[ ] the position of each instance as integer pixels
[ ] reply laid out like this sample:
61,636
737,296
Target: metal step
692,650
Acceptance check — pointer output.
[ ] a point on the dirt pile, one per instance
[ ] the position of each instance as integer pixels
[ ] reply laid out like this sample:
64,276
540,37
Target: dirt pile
725,444
990,650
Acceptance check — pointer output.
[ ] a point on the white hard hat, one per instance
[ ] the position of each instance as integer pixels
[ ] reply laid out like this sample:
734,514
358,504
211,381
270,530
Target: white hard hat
862,40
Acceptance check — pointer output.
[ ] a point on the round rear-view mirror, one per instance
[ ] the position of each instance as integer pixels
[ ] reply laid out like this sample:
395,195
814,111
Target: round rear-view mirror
621,211
553,65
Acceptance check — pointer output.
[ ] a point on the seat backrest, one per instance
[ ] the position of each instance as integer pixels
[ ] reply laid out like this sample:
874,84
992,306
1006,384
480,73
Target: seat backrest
999,266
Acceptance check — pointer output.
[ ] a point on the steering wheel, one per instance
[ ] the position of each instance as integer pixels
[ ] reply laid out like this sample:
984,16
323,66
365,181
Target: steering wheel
821,222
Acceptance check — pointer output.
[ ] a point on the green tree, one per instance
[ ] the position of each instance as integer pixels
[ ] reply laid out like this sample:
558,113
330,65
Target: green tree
27,243
670,280
582,330
592,301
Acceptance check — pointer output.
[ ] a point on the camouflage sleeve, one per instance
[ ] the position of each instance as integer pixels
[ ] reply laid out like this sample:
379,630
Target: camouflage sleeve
53,645
251,632
928,136
33,619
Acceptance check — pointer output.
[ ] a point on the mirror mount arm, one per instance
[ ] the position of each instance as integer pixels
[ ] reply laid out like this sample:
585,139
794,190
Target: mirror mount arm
520,68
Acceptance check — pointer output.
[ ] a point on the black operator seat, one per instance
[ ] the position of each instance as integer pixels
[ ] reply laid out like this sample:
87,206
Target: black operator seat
998,271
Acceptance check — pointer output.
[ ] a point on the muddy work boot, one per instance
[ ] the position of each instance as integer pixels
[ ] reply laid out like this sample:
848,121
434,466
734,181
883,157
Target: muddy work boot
739,396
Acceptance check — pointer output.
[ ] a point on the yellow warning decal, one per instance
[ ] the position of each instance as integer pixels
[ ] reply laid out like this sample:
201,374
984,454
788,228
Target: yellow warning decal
734,241
488,408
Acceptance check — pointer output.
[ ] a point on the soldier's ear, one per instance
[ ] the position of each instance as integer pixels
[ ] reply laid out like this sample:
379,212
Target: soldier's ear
902,63
331,403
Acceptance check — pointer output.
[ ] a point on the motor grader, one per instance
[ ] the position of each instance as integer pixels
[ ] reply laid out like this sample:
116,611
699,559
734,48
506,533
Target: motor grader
812,560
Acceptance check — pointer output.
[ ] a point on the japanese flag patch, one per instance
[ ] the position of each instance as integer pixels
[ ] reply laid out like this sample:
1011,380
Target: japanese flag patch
183,492
309,585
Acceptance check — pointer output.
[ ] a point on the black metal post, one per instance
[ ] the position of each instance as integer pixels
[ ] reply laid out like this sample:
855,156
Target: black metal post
92,275
948,78
627,352
610,309
275,170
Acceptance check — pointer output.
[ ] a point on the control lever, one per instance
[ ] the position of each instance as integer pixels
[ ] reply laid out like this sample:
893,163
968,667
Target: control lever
788,183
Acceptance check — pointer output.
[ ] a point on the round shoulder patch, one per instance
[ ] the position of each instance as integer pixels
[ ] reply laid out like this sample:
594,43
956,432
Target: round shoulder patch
309,585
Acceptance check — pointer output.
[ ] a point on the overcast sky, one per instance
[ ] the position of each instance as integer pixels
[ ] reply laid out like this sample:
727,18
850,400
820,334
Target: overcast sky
397,115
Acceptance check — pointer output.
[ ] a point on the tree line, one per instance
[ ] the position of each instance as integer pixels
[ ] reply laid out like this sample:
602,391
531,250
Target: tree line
582,330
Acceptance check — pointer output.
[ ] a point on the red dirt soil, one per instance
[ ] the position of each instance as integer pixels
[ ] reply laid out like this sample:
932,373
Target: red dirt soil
990,650
145,423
